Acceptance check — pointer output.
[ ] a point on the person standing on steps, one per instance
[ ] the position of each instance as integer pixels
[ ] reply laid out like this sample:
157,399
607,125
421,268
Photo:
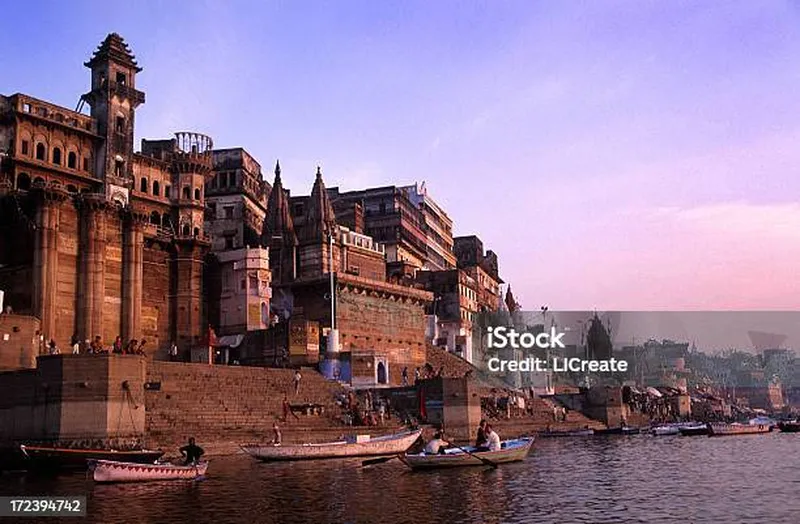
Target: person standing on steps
287,409
297,377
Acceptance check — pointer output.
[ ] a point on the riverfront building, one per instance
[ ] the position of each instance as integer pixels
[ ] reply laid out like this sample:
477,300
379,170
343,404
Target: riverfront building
97,240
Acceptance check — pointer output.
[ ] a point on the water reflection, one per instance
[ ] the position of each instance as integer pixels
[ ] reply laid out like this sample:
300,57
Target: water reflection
592,480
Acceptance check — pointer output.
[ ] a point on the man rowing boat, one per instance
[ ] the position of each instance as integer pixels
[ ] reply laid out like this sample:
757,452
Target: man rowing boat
192,452
437,445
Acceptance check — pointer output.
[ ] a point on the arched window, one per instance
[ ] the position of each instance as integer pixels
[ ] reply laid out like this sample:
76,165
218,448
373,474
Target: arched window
186,193
197,232
186,230
143,187
382,378
155,218
57,155
23,181
41,152
72,160
167,191
156,188
197,194
38,181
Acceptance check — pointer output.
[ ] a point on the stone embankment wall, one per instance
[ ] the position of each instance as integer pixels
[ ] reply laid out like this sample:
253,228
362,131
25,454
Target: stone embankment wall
19,341
86,400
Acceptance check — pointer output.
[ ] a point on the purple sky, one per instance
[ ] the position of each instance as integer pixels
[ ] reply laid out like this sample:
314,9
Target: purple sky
617,155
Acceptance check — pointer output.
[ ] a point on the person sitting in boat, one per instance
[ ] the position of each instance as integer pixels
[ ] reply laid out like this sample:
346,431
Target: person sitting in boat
192,452
492,439
437,445
481,441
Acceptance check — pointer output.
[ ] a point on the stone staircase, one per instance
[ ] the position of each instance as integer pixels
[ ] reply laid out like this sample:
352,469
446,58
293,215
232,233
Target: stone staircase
224,406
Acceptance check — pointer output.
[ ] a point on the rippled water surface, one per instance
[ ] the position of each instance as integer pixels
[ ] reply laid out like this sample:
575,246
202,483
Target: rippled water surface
592,480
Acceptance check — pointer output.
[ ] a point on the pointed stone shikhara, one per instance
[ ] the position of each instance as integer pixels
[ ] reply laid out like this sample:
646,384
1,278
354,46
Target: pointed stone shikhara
114,49
320,218
278,221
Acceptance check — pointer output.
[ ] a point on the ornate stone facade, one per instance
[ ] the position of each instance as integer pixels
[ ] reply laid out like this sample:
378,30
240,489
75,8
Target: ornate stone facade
96,239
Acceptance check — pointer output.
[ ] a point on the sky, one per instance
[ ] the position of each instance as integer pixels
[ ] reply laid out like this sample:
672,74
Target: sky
615,154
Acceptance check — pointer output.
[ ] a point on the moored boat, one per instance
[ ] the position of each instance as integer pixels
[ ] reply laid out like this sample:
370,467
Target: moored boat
694,431
660,431
115,471
618,430
511,451
568,433
720,430
789,426
360,446
53,457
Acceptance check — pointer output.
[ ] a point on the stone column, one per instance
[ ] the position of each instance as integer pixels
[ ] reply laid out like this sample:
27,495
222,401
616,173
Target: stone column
133,275
92,293
45,257
188,304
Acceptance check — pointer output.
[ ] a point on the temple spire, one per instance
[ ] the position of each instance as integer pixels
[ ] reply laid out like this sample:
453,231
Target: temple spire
320,219
278,224
114,49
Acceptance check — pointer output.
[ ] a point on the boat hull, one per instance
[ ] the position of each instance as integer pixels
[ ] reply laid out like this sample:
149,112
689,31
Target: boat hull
722,430
575,433
789,427
380,446
514,451
662,431
65,458
114,471
694,431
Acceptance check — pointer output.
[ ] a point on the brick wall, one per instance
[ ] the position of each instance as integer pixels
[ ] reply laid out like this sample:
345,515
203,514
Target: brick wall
19,344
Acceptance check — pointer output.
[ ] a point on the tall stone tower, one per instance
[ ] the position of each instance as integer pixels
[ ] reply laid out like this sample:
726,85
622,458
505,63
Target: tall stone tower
192,167
113,100
315,240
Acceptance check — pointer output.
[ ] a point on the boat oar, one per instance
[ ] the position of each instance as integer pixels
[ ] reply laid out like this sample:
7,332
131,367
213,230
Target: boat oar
485,461
380,460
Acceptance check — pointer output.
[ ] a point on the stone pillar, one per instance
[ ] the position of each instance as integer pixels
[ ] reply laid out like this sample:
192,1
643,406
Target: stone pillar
92,292
132,275
45,257
188,301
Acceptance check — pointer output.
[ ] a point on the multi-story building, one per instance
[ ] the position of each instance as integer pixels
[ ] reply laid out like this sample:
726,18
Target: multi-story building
237,197
97,240
438,229
390,217
482,267
452,312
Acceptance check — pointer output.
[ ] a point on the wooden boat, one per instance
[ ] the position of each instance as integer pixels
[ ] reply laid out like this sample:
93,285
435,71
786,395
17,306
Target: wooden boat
569,433
693,431
360,446
619,430
77,458
115,471
660,431
789,426
511,451
720,430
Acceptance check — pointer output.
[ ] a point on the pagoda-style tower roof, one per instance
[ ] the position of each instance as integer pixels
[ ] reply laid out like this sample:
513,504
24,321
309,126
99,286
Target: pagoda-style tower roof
278,221
114,49
320,218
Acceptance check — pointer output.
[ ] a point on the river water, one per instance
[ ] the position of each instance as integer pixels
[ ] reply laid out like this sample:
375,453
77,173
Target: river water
615,479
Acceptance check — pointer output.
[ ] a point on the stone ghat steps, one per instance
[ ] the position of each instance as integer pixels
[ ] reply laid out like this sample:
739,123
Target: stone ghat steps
211,401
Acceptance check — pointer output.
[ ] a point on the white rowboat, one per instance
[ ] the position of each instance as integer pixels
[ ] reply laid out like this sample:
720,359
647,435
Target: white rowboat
362,446
511,451
113,471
